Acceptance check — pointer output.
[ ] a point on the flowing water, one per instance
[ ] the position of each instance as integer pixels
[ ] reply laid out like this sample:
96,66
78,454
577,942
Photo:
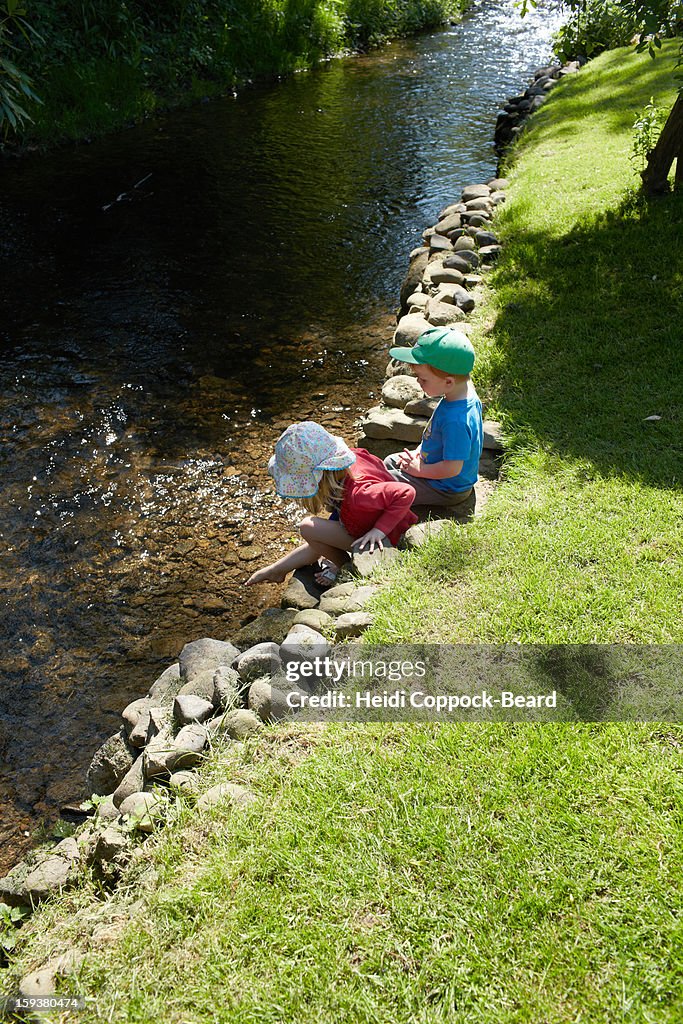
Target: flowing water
171,298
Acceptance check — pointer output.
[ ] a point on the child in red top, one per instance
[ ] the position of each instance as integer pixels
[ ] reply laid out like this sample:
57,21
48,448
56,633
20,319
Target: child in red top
368,506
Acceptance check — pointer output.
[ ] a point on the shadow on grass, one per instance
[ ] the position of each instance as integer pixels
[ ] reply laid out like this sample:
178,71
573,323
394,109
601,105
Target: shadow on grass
590,341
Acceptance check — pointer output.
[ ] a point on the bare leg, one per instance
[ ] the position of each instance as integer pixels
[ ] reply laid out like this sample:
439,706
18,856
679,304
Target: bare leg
324,538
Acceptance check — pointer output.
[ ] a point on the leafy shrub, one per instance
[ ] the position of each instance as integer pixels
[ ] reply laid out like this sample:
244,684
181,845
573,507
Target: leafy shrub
597,25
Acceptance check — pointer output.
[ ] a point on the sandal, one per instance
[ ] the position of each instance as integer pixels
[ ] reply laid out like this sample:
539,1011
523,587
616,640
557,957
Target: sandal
327,576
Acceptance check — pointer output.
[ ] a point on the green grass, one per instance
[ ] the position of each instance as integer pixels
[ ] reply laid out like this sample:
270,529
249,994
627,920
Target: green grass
398,874
580,342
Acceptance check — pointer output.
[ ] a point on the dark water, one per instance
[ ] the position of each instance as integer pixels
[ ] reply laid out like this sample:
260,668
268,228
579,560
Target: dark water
172,297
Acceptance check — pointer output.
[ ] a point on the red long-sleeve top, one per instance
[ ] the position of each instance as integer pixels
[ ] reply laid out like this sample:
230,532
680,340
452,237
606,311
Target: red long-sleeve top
372,498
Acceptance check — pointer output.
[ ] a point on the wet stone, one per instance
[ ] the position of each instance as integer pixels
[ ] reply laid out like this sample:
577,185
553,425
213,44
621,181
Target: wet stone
272,624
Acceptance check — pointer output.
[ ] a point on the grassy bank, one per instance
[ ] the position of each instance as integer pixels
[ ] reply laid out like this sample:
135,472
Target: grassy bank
478,873
99,65
579,344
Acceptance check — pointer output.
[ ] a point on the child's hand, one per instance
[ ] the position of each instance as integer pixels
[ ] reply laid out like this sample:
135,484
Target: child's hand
412,464
372,537
406,456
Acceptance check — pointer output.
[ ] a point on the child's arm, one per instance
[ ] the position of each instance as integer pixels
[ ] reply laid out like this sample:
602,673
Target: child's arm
392,498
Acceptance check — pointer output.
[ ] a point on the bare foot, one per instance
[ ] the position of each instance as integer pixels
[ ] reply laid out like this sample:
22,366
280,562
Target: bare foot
269,574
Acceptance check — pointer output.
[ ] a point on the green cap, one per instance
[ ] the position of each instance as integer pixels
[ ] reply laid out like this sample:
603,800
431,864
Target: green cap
443,347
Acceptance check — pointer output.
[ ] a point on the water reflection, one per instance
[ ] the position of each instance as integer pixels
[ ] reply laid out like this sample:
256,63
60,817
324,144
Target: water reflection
172,297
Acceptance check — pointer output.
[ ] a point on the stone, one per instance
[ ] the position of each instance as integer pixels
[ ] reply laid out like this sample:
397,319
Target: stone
419,251
493,437
449,211
240,724
143,810
365,562
201,685
43,982
490,253
442,273
54,873
166,686
475,192
205,655
272,624
465,261
228,793
132,712
416,302
399,390
413,277
132,782
417,535
443,314
461,265
439,243
479,220
107,810
423,407
353,624
500,197
314,618
479,205
463,299
188,708
449,223
188,747
139,735
267,701
496,184
258,661
112,844
472,280
184,782
486,238
464,244
160,721
303,644
384,423
225,688
302,590
109,765
346,597
409,329
158,755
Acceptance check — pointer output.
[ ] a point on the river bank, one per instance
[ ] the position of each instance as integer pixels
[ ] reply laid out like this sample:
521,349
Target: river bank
490,872
96,72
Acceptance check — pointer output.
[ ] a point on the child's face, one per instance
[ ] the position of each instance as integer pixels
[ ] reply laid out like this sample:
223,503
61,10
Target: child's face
430,382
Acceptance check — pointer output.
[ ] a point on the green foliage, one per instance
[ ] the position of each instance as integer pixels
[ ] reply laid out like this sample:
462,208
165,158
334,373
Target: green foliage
10,919
15,84
597,25
647,128
101,63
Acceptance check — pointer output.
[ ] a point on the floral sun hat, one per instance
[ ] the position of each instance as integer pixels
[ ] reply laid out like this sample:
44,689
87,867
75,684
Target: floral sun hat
301,454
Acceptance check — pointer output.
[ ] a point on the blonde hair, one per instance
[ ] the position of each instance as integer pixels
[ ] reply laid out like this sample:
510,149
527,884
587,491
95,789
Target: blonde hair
329,493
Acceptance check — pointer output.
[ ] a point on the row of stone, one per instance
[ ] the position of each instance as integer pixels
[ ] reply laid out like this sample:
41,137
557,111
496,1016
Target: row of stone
518,108
439,290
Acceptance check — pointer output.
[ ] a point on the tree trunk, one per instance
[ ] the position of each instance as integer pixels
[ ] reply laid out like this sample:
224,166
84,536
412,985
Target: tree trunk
669,147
